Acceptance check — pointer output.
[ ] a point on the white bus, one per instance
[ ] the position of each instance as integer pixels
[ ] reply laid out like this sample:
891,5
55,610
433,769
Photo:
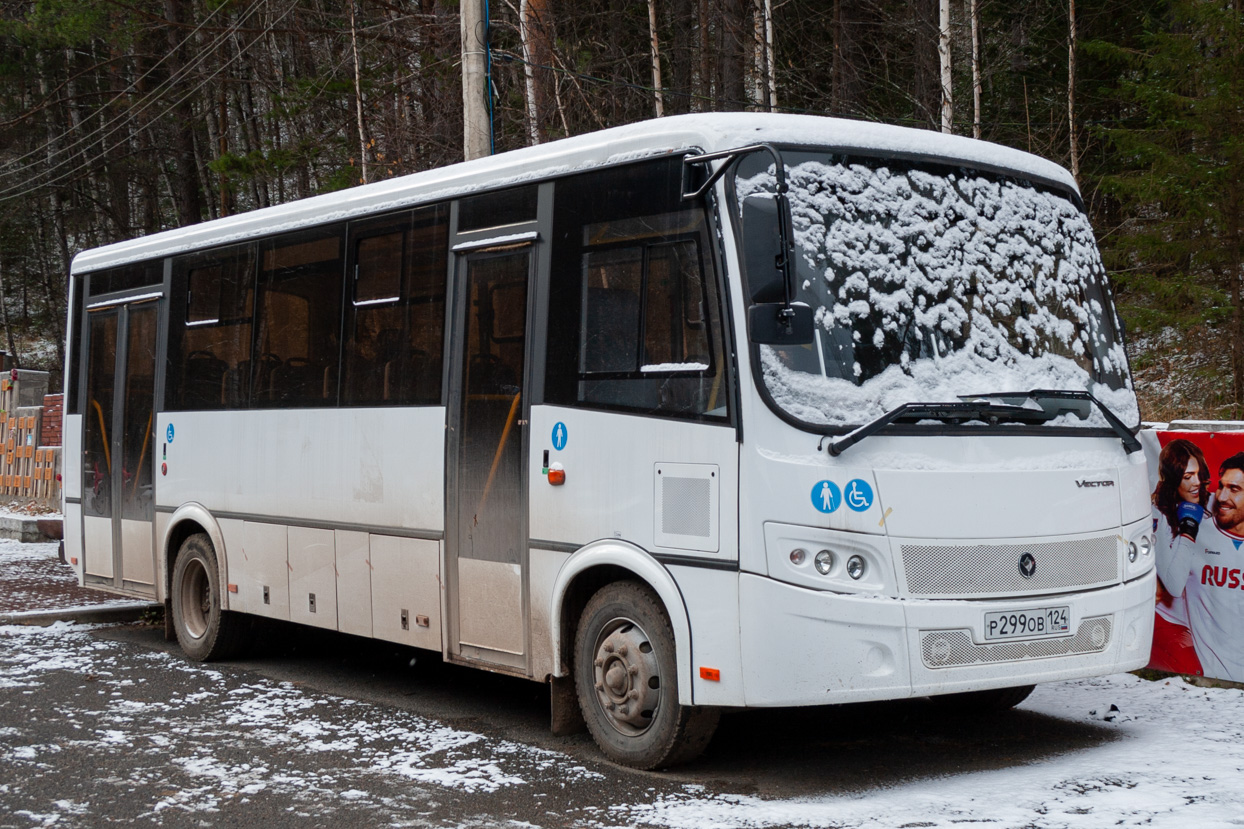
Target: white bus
702,413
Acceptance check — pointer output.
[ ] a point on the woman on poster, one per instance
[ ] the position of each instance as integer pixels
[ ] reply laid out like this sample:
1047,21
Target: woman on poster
1183,478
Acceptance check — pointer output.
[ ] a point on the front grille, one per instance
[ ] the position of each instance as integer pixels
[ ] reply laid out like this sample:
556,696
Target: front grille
955,648
973,570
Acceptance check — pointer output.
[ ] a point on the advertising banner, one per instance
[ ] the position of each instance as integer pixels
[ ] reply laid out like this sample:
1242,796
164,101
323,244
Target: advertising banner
1197,484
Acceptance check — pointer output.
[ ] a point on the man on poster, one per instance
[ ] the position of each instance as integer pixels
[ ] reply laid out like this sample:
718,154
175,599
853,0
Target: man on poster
1207,561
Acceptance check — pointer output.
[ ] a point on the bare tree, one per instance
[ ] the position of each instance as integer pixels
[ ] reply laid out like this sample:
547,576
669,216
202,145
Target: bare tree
943,55
976,69
1071,90
358,95
658,98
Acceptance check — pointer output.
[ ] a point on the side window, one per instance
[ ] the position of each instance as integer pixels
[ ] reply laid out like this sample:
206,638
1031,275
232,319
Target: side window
126,277
297,320
395,317
211,310
634,301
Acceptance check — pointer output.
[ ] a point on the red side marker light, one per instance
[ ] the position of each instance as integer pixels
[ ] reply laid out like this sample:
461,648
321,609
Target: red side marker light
711,674
233,588
73,560
557,475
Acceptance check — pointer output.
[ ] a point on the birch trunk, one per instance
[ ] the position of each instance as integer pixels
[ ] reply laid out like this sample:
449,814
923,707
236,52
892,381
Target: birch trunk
658,97
1071,92
358,95
943,54
770,55
976,70
529,71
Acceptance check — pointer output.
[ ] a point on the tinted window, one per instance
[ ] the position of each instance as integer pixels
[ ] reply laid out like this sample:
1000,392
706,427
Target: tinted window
210,314
395,320
298,319
497,209
634,313
126,277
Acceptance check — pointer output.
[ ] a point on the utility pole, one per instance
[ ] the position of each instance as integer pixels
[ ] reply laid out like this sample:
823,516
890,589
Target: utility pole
476,132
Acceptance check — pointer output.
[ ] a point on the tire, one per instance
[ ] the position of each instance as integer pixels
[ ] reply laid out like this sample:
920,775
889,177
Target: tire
626,677
204,631
993,701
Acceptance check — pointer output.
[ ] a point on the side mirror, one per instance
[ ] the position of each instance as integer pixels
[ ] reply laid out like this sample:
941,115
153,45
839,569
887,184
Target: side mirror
775,323
763,256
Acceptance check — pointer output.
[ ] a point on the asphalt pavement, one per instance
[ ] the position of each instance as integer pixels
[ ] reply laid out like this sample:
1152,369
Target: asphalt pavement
110,723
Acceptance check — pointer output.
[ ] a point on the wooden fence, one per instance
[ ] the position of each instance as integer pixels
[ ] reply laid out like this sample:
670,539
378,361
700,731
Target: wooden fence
28,471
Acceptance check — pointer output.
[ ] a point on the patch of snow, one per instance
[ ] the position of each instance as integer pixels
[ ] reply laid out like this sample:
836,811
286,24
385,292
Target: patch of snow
929,286
1177,763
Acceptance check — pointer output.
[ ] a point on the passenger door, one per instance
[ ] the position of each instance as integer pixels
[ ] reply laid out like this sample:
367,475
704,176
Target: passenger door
487,497
118,459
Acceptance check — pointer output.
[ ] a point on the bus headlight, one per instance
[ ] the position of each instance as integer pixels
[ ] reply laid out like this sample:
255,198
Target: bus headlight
1146,545
817,558
824,562
1132,551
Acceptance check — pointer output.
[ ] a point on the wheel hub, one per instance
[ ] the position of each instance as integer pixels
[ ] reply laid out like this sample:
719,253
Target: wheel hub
196,599
628,680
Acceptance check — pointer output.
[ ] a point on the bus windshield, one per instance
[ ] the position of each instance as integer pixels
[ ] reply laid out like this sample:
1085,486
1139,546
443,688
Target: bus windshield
929,282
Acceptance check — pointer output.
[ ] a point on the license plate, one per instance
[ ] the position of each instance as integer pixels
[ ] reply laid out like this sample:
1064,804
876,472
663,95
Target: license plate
1026,624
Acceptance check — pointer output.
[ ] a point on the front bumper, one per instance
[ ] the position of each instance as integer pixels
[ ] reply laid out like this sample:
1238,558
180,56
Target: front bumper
809,647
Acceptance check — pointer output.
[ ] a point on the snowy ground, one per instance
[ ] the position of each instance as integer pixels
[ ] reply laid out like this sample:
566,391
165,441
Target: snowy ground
93,730
33,579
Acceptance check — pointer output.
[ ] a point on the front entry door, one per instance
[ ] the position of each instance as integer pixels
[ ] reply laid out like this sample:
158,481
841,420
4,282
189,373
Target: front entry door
118,448
487,511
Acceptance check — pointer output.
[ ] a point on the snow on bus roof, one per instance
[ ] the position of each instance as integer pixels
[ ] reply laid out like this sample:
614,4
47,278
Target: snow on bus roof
709,132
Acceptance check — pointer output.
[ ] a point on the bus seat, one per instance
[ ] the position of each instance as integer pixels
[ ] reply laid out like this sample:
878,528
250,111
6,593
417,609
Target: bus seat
404,375
296,380
203,381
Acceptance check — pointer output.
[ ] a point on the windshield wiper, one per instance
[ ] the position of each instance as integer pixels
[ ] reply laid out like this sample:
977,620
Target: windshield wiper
1057,402
963,411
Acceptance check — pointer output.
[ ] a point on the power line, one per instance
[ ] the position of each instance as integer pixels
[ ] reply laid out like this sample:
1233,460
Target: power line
122,120
109,128
51,141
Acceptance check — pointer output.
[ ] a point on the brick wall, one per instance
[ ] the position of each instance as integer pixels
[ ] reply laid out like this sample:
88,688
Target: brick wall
52,410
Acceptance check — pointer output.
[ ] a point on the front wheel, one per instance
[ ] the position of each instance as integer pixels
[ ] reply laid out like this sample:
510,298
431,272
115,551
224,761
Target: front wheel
204,631
626,676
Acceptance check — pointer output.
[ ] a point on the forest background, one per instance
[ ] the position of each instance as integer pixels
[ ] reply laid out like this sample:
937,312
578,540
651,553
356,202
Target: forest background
120,118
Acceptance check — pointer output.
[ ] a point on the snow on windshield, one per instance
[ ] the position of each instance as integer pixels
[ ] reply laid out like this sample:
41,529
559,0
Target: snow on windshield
928,284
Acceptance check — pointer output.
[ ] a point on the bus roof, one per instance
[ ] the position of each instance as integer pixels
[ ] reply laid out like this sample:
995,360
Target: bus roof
708,132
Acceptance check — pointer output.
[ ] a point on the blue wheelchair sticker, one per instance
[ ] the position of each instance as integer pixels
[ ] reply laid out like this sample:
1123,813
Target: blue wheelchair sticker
859,495
168,433
826,496
559,436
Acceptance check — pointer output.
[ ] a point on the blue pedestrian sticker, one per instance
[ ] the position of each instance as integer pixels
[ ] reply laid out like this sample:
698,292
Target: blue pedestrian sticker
559,436
859,495
826,496
168,434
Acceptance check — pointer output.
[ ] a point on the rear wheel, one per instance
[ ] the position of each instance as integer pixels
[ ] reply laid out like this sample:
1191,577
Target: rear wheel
983,702
204,631
626,676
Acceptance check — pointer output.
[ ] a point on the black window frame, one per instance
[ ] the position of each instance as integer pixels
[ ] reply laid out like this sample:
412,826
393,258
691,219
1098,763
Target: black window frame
563,377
